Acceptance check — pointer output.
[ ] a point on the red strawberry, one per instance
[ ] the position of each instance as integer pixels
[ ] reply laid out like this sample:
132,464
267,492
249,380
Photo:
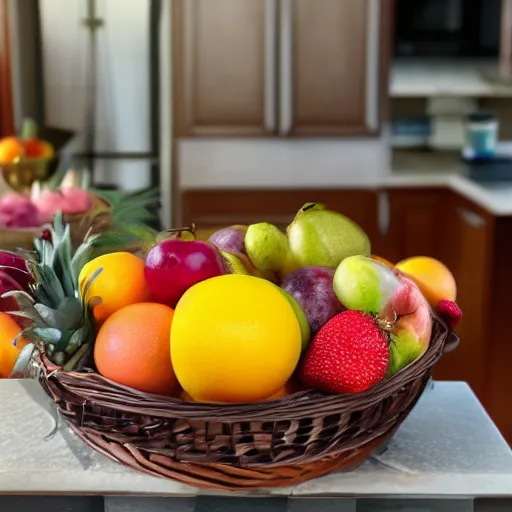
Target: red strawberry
349,354
450,312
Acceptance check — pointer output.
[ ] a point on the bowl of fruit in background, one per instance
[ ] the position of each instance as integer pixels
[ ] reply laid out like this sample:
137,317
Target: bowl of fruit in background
25,215
255,359
25,159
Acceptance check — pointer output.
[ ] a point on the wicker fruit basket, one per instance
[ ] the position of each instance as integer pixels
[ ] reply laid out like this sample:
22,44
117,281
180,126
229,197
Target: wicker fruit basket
242,446
21,175
11,238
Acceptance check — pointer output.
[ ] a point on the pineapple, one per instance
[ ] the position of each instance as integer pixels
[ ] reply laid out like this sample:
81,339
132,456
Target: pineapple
61,323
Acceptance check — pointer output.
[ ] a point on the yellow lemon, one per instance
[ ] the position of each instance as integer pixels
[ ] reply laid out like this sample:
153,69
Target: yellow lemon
235,338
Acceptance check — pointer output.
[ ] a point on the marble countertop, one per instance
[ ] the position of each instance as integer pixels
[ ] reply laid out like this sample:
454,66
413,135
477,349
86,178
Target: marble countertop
416,169
447,447
411,78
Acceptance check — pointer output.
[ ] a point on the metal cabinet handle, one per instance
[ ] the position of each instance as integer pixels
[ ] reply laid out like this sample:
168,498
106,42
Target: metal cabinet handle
471,218
372,65
384,213
270,64
286,51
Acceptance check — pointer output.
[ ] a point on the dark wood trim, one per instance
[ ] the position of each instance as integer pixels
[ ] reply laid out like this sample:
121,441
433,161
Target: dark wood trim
324,131
226,131
6,98
505,60
155,22
207,208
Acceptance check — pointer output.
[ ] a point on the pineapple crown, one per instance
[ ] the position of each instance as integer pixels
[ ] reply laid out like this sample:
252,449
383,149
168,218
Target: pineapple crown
61,324
60,320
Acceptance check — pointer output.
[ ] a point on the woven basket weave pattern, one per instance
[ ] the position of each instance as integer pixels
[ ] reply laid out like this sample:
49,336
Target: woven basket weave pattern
244,445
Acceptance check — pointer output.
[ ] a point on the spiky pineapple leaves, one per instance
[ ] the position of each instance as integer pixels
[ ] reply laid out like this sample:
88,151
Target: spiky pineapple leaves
60,318
22,366
131,208
60,313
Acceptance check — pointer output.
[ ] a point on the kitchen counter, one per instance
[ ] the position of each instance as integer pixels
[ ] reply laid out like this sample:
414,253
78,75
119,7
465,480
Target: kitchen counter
412,78
447,448
424,169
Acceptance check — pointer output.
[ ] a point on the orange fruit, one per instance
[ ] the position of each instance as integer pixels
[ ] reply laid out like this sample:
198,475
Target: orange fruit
120,283
234,338
432,277
186,397
10,149
382,260
9,329
132,348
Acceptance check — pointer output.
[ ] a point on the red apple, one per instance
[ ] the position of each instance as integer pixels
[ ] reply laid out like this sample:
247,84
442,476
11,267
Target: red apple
173,266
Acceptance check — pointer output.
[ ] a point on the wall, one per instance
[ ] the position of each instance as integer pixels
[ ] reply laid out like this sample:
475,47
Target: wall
122,97
283,163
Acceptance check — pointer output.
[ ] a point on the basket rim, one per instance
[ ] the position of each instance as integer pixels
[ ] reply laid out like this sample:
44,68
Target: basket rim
35,229
89,387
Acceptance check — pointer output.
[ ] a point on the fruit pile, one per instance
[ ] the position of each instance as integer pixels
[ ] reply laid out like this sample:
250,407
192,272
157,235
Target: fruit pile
251,315
14,149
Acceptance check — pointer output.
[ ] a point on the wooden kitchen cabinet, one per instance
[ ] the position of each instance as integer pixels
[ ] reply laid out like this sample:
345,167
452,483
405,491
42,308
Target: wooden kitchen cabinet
279,67
475,245
330,67
439,223
223,61
413,224
467,249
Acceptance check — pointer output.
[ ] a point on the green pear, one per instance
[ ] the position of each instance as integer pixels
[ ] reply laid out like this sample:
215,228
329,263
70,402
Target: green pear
266,246
318,236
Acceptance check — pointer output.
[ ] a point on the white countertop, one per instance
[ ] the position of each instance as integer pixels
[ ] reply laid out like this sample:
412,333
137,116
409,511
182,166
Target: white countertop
329,164
411,78
447,447
415,169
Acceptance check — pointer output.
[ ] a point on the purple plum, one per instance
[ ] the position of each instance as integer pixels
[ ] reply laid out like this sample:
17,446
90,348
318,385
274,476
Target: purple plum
230,239
311,287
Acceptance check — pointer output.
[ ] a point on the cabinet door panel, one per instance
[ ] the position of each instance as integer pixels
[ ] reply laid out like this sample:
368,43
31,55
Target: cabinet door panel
225,77
467,252
334,85
415,223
